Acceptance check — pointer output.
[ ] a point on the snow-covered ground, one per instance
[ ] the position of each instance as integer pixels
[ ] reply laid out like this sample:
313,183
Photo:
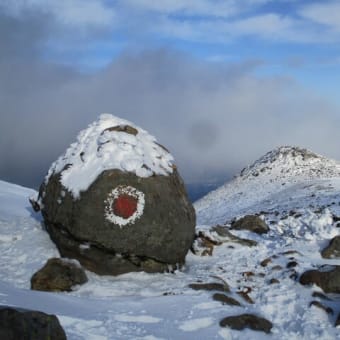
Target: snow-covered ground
300,214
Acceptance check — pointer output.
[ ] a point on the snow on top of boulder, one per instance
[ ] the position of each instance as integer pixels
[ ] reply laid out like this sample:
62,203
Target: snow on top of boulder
270,176
110,143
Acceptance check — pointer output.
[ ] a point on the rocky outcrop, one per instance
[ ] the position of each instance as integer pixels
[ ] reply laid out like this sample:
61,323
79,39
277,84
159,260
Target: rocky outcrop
23,324
58,275
252,223
326,277
133,215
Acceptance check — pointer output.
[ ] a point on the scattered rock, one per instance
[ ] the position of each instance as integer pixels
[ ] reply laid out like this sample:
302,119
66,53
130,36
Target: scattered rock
248,274
293,274
252,223
336,218
265,262
276,267
243,321
321,296
204,245
210,286
24,324
291,264
58,275
134,211
337,321
273,281
226,236
327,278
291,252
246,297
226,300
333,249
318,304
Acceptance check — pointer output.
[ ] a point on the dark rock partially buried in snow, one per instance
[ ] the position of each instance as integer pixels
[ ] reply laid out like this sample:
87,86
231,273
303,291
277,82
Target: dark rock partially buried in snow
333,249
23,324
116,202
240,322
326,277
58,275
252,223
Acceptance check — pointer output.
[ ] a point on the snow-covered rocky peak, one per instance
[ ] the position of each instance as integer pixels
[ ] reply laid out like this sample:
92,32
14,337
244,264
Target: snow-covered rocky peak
110,143
286,174
291,161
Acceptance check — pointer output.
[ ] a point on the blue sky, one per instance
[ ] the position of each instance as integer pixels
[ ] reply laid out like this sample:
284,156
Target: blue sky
231,79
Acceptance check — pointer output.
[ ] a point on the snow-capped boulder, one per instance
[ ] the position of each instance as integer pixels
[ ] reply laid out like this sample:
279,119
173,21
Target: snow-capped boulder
116,202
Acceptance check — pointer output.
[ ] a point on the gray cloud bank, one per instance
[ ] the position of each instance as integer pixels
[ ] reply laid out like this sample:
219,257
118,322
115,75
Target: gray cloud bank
215,118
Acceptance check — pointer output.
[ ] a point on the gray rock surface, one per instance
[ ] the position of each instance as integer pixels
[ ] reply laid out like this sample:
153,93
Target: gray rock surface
327,278
58,275
243,321
333,249
18,324
252,223
96,228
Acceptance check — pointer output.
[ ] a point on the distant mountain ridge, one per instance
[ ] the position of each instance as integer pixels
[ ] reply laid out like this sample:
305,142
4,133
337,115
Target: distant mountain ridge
291,161
277,170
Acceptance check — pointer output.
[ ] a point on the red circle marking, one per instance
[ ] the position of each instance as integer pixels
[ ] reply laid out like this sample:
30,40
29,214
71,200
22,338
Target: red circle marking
124,206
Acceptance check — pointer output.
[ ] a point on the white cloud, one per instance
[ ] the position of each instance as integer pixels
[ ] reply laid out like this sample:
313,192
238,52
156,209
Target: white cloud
190,7
76,13
327,13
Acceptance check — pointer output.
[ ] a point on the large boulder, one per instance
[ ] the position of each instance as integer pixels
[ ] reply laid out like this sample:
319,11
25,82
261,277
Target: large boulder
25,324
116,202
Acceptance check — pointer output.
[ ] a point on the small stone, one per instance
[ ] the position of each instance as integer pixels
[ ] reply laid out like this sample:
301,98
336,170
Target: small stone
337,322
246,297
273,281
277,267
223,232
333,249
248,274
291,252
243,321
291,264
265,262
252,223
226,300
294,275
318,304
58,275
321,296
210,286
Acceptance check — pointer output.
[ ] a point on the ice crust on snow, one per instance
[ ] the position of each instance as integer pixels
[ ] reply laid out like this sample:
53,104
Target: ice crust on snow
99,148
